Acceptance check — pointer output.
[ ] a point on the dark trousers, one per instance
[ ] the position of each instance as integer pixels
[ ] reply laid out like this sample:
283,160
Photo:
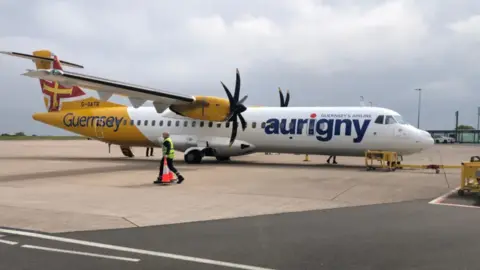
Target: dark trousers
170,167
151,151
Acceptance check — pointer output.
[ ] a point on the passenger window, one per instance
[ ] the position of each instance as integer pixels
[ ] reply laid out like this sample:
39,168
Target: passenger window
263,124
145,123
132,122
169,123
227,125
210,124
185,123
379,120
153,122
177,123
201,123
390,120
139,122
254,124
124,122
193,123
219,125
160,123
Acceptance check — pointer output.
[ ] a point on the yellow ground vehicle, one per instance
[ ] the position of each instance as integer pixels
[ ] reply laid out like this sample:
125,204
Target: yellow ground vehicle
391,162
470,176
388,160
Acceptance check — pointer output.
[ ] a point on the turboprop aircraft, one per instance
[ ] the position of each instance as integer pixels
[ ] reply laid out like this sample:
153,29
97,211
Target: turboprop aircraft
207,126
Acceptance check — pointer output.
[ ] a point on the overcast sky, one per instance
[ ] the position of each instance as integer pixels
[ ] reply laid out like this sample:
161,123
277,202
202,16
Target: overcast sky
328,53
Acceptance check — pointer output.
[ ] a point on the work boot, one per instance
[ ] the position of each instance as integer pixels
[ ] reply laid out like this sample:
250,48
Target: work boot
158,181
180,179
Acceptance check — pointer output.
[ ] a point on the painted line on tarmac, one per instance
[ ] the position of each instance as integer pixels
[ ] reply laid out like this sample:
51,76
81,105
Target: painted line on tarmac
80,253
12,243
132,250
457,205
440,200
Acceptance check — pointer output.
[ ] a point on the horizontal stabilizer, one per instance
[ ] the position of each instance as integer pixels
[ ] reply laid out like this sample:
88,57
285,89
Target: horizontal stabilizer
33,57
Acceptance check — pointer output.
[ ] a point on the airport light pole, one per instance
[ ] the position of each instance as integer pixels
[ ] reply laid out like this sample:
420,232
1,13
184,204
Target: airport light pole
478,124
419,103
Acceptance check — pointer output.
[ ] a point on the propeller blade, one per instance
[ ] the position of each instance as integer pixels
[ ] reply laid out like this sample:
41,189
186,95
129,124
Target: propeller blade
234,130
237,87
243,122
243,99
282,100
229,95
287,100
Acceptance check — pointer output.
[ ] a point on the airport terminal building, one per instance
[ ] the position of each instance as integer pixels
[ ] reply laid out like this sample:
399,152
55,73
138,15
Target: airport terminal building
460,136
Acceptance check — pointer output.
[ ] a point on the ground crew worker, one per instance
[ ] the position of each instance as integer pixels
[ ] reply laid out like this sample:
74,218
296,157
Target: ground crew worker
151,152
334,159
168,153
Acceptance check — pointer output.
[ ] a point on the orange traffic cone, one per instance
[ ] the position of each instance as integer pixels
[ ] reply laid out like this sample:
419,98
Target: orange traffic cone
167,176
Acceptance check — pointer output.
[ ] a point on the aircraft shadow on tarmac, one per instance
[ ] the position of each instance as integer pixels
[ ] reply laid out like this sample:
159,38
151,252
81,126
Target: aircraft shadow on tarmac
153,163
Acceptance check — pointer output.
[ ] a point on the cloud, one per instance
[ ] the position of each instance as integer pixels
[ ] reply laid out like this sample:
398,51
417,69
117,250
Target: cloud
325,52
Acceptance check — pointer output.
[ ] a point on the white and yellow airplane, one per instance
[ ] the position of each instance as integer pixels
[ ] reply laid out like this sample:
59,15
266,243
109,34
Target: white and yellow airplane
203,126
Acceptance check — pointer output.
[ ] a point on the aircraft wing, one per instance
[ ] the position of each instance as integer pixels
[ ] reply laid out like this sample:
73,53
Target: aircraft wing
137,94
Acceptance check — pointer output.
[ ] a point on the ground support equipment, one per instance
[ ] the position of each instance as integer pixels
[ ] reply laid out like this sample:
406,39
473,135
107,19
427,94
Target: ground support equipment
470,176
388,160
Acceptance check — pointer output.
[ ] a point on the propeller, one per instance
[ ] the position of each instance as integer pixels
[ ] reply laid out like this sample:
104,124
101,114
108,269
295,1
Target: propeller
283,101
236,108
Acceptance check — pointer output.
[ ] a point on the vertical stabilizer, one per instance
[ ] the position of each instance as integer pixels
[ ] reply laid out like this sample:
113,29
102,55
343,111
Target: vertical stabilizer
59,97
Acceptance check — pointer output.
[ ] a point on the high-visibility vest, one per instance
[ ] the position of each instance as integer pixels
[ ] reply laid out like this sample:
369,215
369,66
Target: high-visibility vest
171,154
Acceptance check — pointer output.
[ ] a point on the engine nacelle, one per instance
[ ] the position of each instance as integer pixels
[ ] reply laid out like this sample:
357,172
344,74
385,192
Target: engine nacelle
204,108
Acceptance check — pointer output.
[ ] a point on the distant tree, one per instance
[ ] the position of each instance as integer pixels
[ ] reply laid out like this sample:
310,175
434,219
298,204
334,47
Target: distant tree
465,127
5,134
19,134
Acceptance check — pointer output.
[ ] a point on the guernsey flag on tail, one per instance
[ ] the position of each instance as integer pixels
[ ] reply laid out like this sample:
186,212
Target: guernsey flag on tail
58,97
54,93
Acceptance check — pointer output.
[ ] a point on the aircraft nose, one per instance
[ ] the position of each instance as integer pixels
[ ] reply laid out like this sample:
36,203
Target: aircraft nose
426,139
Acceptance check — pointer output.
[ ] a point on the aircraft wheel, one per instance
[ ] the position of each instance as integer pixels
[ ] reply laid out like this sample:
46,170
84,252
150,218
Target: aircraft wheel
219,158
193,157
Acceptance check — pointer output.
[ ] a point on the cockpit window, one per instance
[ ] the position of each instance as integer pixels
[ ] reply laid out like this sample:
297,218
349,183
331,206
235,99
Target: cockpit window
390,120
379,120
400,120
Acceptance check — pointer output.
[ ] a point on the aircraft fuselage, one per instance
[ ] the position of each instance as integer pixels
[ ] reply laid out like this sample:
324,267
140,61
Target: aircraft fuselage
342,131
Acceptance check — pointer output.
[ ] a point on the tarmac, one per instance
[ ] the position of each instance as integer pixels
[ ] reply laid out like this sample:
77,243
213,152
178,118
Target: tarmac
270,211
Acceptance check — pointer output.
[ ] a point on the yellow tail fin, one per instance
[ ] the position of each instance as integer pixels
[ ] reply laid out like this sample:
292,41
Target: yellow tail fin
58,97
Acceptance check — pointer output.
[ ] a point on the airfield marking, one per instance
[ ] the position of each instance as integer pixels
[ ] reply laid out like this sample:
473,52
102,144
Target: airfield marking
81,253
440,200
12,243
133,250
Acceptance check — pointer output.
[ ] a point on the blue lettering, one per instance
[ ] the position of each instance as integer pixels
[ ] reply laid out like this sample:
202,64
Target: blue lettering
291,128
271,126
326,133
324,129
70,120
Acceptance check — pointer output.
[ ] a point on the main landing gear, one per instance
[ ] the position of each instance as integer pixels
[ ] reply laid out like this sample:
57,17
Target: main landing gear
196,156
193,157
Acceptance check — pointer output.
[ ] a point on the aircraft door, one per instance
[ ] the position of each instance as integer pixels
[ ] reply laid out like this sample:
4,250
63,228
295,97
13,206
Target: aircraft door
98,125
